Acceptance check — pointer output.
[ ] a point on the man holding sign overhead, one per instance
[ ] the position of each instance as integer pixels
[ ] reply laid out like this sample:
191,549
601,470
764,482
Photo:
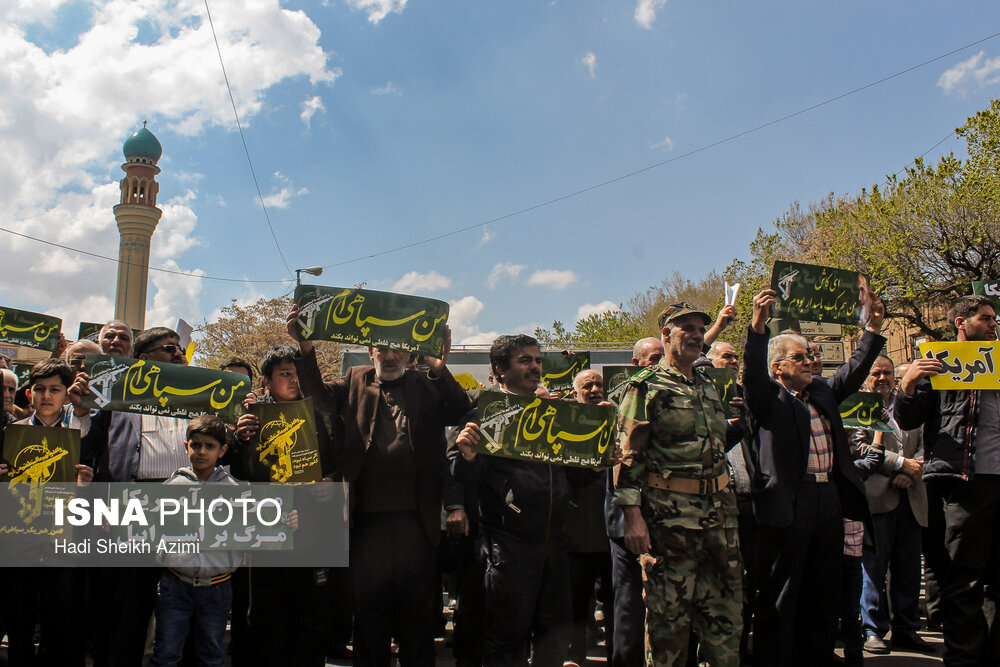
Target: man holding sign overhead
804,485
962,443
394,459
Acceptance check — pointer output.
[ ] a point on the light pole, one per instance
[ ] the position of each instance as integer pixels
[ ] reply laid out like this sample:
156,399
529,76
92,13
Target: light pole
311,270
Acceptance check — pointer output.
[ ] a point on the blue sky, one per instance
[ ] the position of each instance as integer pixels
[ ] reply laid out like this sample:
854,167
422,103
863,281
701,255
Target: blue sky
373,124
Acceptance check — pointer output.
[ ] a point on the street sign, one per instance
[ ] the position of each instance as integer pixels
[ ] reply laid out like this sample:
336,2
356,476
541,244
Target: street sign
807,328
833,351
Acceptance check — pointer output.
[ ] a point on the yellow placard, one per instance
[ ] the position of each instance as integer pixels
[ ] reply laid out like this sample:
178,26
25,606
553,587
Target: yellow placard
967,364
468,382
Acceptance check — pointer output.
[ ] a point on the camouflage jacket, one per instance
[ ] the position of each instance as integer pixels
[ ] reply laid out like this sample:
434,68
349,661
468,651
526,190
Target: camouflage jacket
674,427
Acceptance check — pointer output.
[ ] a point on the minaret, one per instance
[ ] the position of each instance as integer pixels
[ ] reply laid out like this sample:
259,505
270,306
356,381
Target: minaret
137,216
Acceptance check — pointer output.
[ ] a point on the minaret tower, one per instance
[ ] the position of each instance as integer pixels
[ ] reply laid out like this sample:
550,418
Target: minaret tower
137,216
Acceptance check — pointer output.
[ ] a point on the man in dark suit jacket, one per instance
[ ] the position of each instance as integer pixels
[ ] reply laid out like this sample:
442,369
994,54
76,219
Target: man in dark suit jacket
394,459
804,485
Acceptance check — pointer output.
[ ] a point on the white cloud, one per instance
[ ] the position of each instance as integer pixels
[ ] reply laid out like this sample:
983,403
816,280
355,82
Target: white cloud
480,338
666,144
969,75
377,9
501,271
558,280
309,108
462,316
389,88
589,60
487,236
284,194
174,237
66,113
588,309
176,296
645,12
415,283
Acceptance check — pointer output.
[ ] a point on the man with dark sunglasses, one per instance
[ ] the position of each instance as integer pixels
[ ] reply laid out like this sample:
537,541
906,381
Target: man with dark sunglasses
128,447
804,485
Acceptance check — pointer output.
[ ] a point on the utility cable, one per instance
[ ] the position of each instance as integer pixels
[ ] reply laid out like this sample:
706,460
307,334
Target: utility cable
232,100
667,161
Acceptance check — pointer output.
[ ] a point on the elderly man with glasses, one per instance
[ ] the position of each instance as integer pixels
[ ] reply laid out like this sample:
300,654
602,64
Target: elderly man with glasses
128,447
804,486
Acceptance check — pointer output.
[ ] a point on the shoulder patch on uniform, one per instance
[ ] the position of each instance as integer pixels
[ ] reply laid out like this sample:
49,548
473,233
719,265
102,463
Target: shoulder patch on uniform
643,375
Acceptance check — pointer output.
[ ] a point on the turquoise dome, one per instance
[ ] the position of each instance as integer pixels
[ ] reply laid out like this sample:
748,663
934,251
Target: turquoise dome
142,144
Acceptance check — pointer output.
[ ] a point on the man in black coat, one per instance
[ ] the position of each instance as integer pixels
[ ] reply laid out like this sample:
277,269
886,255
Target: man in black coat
961,429
804,485
393,457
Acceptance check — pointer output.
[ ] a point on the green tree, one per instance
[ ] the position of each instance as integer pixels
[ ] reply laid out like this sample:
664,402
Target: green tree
924,237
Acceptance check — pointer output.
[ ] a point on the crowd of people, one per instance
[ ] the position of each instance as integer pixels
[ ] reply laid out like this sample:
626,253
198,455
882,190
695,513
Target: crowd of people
760,532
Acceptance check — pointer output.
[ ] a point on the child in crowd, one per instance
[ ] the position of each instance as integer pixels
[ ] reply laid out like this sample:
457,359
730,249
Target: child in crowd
50,596
195,590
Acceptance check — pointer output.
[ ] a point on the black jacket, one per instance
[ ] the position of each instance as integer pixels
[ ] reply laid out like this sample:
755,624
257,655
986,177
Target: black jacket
949,419
527,500
781,432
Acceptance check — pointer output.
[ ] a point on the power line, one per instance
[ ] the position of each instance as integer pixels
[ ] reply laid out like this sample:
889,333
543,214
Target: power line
950,135
246,150
515,213
151,268
667,161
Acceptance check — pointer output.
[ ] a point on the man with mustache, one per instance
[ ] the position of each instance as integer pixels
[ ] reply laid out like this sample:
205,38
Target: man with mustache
115,338
523,506
680,509
898,502
961,431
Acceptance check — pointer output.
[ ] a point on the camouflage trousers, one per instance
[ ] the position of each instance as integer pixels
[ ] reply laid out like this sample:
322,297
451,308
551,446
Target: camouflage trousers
693,579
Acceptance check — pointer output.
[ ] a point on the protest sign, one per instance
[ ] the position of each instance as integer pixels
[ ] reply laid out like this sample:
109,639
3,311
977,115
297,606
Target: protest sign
366,317
539,429
558,369
616,381
169,390
967,364
286,449
990,288
467,381
725,383
816,293
169,531
865,410
20,327
37,456
22,371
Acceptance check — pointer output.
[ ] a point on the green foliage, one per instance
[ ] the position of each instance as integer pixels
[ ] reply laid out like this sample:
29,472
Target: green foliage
557,337
610,326
923,238
627,324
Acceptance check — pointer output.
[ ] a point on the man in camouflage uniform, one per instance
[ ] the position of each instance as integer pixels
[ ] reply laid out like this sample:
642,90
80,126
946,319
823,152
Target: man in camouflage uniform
680,510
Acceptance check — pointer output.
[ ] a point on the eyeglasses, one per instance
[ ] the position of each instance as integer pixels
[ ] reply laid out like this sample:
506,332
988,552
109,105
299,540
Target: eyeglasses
799,357
169,348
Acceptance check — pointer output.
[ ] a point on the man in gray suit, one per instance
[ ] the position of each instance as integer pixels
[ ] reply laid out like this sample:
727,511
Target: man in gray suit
898,501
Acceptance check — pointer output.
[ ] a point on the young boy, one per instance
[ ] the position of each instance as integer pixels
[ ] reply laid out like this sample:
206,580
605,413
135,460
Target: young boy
195,591
50,595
